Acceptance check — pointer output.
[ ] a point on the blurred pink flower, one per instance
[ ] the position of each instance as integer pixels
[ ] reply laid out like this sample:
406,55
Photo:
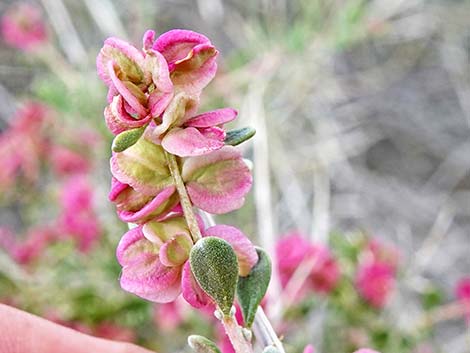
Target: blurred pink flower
380,251
309,349
293,249
366,350
462,292
375,281
23,27
7,240
376,272
64,161
22,144
114,332
32,247
78,218
169,316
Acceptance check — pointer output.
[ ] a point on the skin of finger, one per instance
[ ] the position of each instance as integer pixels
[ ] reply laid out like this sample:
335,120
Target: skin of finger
21,332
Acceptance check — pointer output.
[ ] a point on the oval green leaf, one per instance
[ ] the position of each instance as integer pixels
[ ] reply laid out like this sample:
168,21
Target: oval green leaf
215,267
252,288
237,136
127,139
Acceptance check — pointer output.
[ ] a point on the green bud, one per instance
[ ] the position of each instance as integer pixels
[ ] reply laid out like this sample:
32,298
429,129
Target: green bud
215,267
237,136
127,138
252,288
201,344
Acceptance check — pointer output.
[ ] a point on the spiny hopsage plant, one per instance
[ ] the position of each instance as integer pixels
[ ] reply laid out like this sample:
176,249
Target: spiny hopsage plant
169,166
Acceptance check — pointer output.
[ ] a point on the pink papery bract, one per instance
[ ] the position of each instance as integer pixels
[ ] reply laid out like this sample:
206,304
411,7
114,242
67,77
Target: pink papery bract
192,292
199,135
217,182
191,59
139,84
118,119
143,166
246,252
127,59
142,272
135,207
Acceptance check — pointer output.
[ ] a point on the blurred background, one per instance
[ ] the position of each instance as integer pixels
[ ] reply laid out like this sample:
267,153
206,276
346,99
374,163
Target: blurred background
362,112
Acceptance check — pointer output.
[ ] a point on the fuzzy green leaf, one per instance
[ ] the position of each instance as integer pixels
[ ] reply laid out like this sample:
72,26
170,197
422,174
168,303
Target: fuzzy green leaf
215,267
127,138
235,137
252,288
201,344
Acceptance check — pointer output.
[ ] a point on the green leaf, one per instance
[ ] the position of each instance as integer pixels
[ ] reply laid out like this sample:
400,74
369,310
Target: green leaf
127,139
215,267
235,137
252,288
201,344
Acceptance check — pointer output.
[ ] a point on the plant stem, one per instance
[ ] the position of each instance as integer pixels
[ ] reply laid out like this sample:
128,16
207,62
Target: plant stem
235,334
264,331
184,198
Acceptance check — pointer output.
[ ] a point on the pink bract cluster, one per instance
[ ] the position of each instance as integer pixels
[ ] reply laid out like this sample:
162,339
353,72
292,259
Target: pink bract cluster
294,250
376,273
156,91
22,27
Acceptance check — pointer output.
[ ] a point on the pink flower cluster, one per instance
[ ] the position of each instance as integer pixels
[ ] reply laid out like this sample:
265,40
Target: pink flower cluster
104,329
160,86
462,292
22,26
155,92
22,144
25,146
376,273
78,219
293,250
